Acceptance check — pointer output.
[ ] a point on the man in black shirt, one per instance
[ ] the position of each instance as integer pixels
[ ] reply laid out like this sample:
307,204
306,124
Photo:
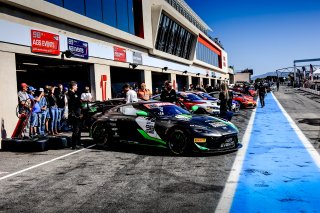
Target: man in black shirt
168,94
74,107
262,92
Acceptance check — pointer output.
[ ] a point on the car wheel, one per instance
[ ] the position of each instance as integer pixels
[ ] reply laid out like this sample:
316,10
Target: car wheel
100,134
178,142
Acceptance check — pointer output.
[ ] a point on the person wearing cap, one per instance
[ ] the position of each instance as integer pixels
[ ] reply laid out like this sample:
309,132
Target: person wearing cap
144,93
24,102
35,110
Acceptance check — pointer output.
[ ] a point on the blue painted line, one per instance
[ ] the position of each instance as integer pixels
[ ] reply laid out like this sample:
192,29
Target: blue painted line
278,173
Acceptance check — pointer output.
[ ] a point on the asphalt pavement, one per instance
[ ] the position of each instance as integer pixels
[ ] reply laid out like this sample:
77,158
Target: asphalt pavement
125,179
129,178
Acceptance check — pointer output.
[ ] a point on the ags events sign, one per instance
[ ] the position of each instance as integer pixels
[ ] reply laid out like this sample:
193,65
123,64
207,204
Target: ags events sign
43,42
120,54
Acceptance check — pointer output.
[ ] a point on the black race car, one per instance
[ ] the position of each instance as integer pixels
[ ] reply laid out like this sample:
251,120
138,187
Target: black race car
164,125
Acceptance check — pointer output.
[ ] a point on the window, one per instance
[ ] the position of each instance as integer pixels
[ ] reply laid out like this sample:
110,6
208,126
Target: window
206,55
94,9
173,38
122,18
75,6
125,15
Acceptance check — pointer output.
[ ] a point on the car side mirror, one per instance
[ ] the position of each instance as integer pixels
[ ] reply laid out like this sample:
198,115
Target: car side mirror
194,108
142,113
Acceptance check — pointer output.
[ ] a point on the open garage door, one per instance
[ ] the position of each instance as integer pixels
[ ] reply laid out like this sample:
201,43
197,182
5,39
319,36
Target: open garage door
121,76
182,81
158,80
40,71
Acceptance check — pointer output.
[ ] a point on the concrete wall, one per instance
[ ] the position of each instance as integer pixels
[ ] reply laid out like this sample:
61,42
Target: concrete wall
242,77
8,92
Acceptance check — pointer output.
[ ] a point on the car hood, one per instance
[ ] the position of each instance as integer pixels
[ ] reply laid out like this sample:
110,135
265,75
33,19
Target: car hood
213,124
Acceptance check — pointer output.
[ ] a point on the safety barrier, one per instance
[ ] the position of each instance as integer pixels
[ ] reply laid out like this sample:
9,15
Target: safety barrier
310,90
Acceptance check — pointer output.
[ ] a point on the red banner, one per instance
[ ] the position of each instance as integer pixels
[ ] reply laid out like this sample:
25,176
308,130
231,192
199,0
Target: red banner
120,54
43,42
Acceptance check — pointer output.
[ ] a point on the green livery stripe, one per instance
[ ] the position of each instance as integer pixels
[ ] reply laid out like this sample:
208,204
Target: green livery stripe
146,136
228,123
201,147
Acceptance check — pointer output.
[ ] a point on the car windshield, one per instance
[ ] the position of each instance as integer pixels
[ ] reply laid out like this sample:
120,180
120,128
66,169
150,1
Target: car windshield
190,96
166,110
205,95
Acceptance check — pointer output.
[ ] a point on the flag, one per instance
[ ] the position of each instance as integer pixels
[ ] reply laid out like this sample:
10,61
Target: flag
311,72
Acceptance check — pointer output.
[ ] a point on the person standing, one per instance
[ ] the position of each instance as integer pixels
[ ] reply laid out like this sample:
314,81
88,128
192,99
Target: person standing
61,103
53,110
262,90
168,94
144,93
35,110
278,85
43,120
74,108
86,95
224,98
131,95
24,101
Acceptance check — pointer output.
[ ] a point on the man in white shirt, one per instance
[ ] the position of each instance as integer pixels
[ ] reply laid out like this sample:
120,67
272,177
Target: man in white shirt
86,96
131,95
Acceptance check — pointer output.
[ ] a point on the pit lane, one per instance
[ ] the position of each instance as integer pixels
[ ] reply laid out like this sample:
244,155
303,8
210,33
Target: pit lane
127,178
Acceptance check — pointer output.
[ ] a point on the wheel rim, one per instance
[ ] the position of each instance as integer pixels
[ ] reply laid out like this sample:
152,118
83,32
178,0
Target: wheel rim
100,135
178,143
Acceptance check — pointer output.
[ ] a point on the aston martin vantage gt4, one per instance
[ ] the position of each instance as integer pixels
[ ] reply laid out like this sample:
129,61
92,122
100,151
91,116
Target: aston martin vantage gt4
164,125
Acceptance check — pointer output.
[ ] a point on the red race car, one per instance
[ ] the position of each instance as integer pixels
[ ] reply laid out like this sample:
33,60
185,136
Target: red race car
245,101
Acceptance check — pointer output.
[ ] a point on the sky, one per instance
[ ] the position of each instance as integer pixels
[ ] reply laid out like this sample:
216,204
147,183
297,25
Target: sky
263,35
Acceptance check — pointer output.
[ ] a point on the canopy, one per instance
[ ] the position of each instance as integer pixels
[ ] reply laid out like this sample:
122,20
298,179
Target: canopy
316,72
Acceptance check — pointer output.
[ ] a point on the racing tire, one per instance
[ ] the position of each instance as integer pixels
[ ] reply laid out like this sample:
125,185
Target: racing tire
178,142
58,142
25,145
100,135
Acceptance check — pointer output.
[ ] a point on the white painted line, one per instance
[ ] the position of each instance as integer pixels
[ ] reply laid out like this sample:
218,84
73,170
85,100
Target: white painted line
44,163
226,199
307,144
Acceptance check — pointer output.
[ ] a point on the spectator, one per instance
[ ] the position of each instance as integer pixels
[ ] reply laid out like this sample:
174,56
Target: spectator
24,101
74,108
224,97
86,95
168,94
53,109
35,110
157,91
61,103
191,87
131,95
43,116
144,93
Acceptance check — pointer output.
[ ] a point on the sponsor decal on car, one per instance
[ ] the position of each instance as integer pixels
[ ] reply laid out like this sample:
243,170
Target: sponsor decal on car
156,105
200,140
183,116
217,124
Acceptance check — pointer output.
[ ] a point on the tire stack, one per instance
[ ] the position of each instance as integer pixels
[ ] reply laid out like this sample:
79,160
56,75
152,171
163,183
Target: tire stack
35,144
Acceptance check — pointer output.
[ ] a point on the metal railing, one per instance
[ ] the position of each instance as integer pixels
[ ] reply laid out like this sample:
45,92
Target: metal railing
310,90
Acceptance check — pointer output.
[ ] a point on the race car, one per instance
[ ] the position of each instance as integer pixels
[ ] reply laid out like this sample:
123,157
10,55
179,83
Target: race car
186,100
164,125
204,96
245,101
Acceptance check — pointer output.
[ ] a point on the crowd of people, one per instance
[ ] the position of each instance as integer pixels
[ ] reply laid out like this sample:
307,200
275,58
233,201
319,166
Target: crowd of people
51,107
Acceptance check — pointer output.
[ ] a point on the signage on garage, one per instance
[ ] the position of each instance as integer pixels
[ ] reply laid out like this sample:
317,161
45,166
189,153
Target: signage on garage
120,54
137,58
44,42
79,49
